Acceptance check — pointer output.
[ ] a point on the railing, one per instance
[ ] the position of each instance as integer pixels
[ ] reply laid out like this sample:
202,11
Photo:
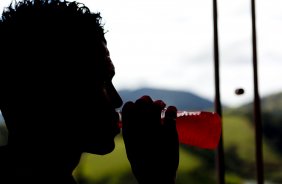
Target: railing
257,110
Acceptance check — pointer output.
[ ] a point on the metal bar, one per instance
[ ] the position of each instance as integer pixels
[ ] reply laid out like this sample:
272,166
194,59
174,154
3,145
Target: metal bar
220,151
257,110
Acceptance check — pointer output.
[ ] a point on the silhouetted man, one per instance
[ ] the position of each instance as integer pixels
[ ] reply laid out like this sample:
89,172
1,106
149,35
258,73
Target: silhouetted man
58,100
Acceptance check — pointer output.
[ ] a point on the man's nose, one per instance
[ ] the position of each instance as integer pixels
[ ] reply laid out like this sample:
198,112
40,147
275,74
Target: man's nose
116,99
119,101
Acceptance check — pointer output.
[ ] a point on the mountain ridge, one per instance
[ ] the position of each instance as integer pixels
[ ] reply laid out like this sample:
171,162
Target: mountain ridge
181,99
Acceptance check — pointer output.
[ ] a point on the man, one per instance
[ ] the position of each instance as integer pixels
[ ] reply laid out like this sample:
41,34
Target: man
58,100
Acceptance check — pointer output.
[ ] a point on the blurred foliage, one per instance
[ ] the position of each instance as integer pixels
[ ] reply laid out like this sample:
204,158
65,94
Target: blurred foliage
271,108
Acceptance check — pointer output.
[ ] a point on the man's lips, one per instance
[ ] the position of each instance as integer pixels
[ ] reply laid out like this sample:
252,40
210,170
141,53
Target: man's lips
116,117
117,122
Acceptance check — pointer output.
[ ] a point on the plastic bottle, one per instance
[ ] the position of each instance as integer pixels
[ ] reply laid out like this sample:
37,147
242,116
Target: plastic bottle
200,128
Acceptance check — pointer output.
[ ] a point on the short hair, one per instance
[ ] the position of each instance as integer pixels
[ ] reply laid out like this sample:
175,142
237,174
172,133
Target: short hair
49,25
30,29
44,42
32,14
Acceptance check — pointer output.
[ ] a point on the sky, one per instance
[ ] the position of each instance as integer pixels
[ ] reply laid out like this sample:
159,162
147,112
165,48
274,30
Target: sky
169,44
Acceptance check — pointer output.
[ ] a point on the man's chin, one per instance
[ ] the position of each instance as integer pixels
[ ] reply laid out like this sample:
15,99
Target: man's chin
101,149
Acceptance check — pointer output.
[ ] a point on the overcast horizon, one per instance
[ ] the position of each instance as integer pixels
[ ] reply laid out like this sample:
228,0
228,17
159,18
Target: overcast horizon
168,44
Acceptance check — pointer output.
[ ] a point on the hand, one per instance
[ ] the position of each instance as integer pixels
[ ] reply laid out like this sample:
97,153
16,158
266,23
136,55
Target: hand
151,143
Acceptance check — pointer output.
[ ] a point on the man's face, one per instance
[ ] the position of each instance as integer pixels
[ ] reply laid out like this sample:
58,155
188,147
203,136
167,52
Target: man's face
99,123
70,106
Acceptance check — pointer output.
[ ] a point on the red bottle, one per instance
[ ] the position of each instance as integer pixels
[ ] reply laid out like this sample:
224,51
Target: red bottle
201,129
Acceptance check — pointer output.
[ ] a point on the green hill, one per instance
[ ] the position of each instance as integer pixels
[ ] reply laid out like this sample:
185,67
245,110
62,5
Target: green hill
271,116
271,103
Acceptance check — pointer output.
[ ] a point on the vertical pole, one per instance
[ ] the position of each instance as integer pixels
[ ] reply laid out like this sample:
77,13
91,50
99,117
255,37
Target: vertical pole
220,152
257,110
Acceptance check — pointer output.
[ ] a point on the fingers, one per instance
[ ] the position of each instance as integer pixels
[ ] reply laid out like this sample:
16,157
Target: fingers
145,112
149,111
171,136
128,114
160,104
144,100
169,122
169,125
147,100
144,106
171,113
150,145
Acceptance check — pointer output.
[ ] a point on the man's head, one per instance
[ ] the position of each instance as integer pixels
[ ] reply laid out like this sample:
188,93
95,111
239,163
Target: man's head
56,78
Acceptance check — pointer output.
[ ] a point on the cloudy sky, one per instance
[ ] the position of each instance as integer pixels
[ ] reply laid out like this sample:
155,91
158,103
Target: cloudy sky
169,44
